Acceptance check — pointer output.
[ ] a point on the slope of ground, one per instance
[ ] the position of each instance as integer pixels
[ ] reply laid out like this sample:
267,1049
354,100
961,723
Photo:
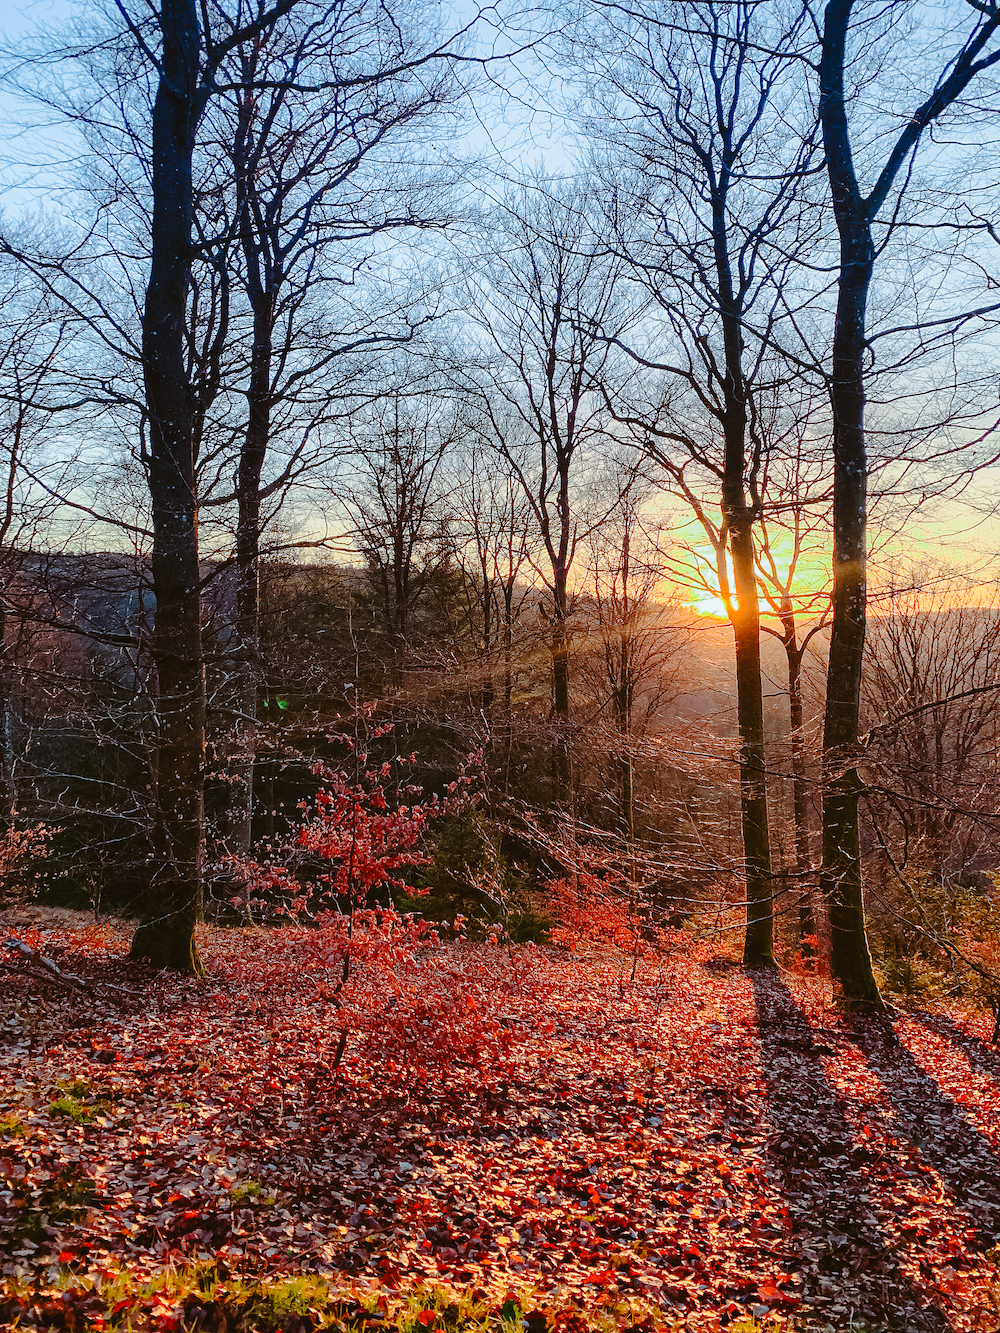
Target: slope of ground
692,1144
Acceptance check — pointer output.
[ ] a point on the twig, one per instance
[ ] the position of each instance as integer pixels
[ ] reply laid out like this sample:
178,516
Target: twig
28,961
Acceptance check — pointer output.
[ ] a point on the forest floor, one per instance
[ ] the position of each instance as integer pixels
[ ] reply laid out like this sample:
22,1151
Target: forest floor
530,1139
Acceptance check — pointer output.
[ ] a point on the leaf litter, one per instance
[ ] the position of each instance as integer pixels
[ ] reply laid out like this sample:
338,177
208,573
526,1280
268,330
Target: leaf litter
695,1141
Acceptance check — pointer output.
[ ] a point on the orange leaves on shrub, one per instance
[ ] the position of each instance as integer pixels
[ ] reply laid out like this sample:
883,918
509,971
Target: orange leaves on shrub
368,960
365,841
591,912
18,847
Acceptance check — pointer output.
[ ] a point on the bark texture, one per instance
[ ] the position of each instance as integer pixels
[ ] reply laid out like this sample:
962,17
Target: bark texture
841,879
737,518
800,785
166,935
187,65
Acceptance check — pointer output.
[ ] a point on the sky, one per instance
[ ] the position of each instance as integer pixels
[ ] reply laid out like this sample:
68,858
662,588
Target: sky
27,139
515,129
513,124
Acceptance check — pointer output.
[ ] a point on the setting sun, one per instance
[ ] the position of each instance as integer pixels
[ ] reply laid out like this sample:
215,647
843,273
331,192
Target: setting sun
709,604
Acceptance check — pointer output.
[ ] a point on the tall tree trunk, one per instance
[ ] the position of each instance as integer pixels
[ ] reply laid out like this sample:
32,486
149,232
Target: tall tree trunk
8,794
758,949
508,681
488,694
166,934
624,697
800,787
841,875
562,776
840,878
737,518
247,667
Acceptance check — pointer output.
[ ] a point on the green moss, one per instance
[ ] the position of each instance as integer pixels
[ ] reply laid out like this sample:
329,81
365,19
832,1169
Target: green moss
268,1307
75,1110
250,1191
12,1126
78,1101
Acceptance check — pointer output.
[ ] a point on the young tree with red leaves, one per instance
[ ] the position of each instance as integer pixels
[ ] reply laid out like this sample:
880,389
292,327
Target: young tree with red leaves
155,72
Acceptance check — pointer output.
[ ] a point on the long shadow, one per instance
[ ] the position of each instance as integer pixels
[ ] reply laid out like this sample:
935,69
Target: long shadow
980,1054
963,1157
847,1266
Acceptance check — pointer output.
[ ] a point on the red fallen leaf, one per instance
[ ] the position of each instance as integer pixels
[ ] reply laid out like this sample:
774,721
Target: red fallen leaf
602,1279
67,1257
769,1291
427,1317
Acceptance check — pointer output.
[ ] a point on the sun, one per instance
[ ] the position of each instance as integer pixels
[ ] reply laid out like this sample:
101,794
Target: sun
708,604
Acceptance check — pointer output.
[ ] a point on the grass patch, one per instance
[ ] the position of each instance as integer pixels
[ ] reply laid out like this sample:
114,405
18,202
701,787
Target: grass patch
205,1298
75,1110
12,1126
250,1191
77,1101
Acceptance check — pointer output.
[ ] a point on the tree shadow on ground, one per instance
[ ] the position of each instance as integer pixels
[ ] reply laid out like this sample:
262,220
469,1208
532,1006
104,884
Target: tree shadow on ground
963,1157
848,1269
980,1054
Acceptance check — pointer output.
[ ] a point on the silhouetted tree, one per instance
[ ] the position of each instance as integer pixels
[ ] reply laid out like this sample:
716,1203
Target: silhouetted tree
858,208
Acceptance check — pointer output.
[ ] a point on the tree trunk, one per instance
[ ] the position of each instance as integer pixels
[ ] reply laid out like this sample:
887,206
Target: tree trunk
488,693
841,875
840,878
624,698
247,666
800,787
165,936
758,949
8,793
508,681
737,520
561,772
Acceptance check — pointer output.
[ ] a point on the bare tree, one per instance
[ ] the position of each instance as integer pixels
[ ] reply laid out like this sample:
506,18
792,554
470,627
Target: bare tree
295,204
544,298
492,531
858,207
157,71
931,672
632,668
32,340
695,114
394,501
792,528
